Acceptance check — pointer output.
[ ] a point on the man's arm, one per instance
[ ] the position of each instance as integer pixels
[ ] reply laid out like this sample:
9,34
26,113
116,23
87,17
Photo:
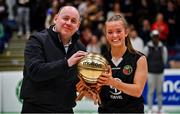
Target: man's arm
36,66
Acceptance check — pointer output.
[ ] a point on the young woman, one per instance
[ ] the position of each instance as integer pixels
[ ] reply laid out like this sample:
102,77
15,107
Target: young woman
123,84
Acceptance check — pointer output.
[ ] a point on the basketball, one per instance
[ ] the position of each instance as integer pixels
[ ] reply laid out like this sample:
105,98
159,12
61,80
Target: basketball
91,66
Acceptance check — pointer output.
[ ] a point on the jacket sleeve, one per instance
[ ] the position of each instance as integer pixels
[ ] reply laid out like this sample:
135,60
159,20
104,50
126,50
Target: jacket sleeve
35,62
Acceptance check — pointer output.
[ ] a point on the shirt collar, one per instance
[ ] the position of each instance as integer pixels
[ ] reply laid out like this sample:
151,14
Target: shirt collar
69,43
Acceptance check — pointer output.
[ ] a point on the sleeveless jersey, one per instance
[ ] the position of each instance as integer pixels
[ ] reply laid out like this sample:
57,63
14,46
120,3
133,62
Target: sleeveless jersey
114,100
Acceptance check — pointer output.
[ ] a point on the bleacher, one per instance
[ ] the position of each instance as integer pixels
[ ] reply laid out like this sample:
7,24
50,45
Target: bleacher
12,58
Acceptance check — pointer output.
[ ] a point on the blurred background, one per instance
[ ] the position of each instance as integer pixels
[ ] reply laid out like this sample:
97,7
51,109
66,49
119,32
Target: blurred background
20,18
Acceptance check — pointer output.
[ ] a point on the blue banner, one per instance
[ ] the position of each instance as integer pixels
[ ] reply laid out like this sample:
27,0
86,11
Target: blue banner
171,91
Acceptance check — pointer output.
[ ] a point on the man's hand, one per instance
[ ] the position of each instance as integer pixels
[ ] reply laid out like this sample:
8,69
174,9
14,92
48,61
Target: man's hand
76,57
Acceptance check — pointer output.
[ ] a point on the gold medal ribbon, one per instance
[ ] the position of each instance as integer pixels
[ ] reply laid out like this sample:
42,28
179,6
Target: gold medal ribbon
88,90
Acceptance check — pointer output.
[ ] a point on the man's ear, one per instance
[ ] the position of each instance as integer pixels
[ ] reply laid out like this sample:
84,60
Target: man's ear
55,19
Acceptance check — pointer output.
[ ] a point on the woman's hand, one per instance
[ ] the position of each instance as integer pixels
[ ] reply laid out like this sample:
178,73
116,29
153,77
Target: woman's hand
105,78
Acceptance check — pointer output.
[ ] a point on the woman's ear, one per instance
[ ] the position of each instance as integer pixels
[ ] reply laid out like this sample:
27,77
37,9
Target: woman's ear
127,32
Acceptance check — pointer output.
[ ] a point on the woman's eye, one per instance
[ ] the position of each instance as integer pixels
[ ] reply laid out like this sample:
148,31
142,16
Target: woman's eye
109,32
118,32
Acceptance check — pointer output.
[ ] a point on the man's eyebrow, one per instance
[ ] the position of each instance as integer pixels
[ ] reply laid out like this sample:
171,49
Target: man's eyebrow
69,16
61,14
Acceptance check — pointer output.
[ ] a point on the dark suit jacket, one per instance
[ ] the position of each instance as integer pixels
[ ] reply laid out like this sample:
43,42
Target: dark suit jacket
48,81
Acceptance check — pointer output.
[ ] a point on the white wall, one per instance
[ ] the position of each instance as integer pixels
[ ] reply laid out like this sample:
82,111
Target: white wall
9,99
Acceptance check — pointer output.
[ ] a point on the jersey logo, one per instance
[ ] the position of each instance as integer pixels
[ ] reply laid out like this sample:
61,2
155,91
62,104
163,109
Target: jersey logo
113,90
127,70
115,93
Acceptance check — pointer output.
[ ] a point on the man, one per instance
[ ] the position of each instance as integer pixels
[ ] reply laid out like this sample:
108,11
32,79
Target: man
50,75
157,56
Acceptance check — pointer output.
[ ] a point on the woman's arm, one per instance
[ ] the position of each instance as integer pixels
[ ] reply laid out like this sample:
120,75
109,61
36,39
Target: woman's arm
134,89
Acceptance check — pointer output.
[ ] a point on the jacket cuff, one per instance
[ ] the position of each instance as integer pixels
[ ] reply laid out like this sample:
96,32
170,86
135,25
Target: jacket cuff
66,66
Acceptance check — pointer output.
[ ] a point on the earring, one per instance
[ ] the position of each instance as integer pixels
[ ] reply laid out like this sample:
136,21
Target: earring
54,28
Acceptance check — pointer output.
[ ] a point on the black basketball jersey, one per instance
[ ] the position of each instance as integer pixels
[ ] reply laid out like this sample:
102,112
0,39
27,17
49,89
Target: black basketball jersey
114,100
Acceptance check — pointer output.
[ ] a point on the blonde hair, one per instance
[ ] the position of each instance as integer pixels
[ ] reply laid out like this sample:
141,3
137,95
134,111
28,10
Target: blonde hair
127,40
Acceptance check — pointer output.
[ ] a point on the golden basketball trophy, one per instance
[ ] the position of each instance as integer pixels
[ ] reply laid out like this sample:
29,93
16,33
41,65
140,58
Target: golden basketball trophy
90,68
